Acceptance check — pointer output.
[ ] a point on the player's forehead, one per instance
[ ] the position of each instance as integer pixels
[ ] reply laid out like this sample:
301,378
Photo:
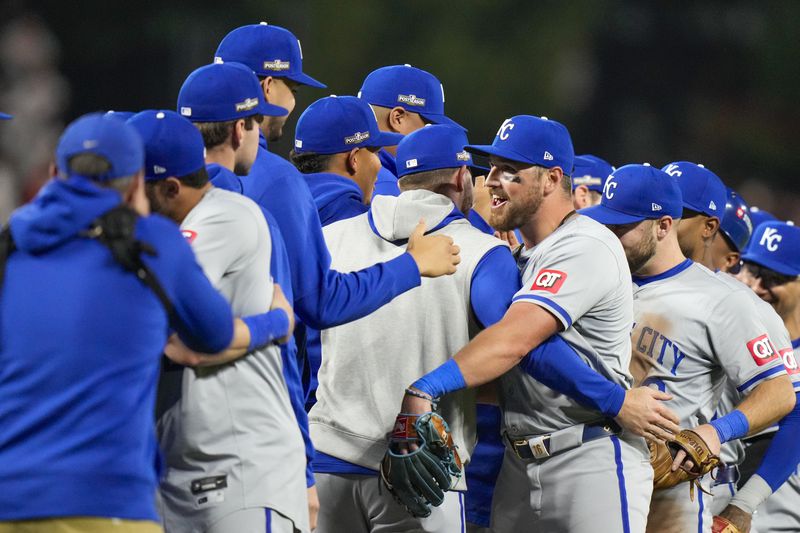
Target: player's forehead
508,164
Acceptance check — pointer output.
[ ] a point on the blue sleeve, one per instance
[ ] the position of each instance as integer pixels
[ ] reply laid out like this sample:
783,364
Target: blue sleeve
478,222
495,281
202,317
324,298
783,454
557,365
553,363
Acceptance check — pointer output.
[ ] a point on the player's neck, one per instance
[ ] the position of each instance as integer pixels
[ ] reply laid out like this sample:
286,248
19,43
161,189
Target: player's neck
222,156
792,323
545,221
668,255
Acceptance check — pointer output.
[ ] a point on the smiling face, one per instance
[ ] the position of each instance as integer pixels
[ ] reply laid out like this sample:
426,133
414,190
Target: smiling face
780,291
516,190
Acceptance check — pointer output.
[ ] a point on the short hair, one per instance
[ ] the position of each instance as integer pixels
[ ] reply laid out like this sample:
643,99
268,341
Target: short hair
566,183
216,133
310,162
430,179
94,167
196,179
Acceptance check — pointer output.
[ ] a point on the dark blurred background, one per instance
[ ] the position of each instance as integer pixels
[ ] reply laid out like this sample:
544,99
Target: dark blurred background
714,82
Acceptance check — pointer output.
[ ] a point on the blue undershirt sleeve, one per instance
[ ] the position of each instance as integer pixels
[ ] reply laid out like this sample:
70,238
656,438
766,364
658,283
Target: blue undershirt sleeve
783,454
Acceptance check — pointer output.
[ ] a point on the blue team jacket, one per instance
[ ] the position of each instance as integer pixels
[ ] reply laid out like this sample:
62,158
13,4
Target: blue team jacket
79,358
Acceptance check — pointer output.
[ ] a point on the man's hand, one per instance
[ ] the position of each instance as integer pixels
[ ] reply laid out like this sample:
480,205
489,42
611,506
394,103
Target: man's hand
644,414
709,435
740,519
313,507
435,255
180,353
509,237
481,198
279,301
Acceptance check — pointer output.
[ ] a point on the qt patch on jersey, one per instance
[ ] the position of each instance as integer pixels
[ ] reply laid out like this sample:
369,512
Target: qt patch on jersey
789,361
762,350
189,235
549,280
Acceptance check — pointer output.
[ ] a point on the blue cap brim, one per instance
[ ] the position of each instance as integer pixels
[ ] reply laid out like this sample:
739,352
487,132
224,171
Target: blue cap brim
441,119
384,138
771,264
270,110
305,79
4,116
491,150
605,215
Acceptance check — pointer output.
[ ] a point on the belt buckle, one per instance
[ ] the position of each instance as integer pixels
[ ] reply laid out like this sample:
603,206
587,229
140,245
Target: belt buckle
538,447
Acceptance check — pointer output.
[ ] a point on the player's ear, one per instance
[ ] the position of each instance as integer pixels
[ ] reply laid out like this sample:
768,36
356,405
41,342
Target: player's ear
267,84
352,160
237,133
460,178
396,117
710,227
171,187
731,260
552,179
663,226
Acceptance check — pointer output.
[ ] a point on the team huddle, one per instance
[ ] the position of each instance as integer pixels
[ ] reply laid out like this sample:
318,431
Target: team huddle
391,329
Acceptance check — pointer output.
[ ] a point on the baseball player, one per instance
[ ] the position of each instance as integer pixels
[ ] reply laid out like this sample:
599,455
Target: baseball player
335,148
235,453
771,268
588,178
322,297
690,348
573,466
82,338
404,99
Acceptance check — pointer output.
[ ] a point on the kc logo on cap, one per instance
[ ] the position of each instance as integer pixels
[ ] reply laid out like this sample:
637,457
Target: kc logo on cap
770,239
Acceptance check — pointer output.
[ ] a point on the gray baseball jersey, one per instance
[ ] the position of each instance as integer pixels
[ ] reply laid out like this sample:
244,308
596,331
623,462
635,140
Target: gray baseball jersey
695,329
232,440
579,274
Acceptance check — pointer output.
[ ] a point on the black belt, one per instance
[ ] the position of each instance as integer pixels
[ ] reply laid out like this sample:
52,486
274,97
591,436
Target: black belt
726,474
540,446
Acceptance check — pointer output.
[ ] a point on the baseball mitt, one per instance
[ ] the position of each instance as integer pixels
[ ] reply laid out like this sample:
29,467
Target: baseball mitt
662,455
419,478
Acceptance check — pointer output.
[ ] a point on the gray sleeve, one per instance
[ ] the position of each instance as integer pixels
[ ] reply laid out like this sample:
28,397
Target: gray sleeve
222,240
742,343
571,278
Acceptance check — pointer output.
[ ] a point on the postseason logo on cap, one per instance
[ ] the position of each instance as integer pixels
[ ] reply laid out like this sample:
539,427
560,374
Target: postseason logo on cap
247,105
411,99
463,156
357,137
276,64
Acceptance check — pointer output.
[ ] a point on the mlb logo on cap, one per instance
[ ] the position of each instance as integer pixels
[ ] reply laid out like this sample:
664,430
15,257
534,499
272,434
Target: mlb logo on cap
776,245
702,190
408,87
534,140
637,192
430,148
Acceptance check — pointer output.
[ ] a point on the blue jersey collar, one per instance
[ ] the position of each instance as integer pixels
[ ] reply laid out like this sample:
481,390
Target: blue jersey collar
674,271
796,343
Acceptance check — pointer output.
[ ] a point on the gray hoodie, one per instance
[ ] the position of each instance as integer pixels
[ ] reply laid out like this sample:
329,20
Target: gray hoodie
367,364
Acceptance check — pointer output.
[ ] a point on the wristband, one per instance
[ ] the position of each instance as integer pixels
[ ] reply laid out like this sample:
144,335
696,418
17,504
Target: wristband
266,327
732,426
445,379
752,494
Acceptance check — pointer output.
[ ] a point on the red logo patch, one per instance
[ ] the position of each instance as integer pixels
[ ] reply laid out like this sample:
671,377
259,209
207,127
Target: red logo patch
189,235
549,280
762,350
789,361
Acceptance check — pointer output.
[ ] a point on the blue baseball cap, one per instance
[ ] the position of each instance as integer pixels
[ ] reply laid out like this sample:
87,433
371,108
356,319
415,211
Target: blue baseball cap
637,192
268,51
172,145
110,138
337,124
4,116
735,223
411,88
120,115
590,171
776,245
702,190
529,139
222,92
431,148
759,216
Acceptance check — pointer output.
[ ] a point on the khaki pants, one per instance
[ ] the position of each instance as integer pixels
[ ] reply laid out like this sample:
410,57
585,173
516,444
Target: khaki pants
80,525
